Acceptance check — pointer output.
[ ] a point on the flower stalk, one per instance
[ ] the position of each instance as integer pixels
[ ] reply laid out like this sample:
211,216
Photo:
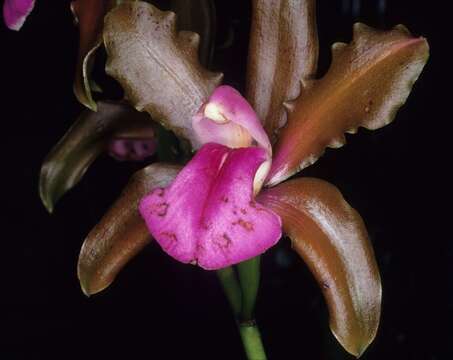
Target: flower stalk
251,339
231,288
241,295
249,279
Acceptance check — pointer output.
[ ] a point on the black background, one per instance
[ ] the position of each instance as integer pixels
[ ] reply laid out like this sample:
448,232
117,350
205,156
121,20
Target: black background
161,309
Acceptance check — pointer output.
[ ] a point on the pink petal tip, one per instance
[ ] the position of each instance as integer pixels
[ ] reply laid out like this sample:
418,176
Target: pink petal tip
16,11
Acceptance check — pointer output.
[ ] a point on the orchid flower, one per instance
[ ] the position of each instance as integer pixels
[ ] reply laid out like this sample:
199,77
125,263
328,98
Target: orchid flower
208,215
233,200
16,11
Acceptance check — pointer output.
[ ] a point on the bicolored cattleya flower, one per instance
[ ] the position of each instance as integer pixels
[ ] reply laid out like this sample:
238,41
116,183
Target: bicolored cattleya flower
208,215
16,11
234,199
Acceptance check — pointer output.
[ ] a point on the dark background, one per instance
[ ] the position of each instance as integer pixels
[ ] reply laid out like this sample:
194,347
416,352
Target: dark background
161,309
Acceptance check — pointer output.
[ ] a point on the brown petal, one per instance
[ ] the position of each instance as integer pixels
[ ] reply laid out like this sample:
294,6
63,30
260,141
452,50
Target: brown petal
87,138
121,233
283,50
157,67
89,15
332,239
368,80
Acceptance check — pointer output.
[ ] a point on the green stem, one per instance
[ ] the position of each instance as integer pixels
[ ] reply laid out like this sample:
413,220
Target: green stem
249,279
251,339
242,299
231,288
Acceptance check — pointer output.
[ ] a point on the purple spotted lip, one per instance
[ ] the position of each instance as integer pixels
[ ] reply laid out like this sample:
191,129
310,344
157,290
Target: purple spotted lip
208,215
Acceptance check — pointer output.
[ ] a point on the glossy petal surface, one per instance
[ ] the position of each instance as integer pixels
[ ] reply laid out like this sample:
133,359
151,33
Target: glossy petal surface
234,123
368,80
87,138
208,215
283,50
16,11
332,239
157,66
121,233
